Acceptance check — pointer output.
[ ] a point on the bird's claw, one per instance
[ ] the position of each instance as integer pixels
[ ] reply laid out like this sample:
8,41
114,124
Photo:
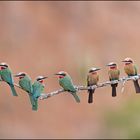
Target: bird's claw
40,98
108,82
133,78
91,87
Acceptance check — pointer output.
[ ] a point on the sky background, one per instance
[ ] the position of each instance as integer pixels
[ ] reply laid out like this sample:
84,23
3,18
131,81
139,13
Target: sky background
42,38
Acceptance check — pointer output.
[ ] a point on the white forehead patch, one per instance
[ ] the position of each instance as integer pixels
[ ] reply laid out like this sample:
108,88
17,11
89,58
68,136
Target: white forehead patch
39,77
93,69
112,63
3,63
22,73
61,72
128,59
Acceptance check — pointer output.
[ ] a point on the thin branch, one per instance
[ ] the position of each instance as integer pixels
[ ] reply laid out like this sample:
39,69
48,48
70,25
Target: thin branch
16,85
78,88
45,96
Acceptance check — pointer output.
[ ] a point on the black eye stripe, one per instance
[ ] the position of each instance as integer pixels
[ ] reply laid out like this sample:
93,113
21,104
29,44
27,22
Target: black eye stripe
5,66
23,74
63,74
113,64
90,71
38,79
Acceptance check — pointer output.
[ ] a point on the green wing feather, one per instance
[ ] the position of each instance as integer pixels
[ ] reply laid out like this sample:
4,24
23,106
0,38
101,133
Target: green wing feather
26,84
37,89
135,70
34,103
118,72
6,75
67,84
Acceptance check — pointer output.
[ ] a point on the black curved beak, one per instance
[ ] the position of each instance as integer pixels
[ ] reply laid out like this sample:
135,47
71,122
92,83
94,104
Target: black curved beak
16,75
44,77
98,69
57,74
108,65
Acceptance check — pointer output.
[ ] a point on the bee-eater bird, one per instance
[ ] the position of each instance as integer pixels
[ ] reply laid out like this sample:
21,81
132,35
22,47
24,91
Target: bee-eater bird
131,70
114,74
65,81
38,88
92,79
6,75
25,83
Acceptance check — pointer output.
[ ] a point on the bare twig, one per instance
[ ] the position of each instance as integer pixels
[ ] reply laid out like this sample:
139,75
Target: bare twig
16,85
45,96
79,88
121,80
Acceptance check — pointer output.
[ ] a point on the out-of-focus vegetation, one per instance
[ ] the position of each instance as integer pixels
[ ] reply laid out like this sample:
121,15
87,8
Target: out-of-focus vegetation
123,122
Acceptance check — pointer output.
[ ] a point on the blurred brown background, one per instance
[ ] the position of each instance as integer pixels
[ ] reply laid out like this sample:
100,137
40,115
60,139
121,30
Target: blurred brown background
42,38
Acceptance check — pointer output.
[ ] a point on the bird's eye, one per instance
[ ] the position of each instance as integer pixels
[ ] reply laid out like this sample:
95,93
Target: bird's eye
3,67
63,74
94,72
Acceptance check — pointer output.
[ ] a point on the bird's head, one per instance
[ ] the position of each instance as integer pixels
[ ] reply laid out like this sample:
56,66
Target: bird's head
94,70
61,74
20,75
41,78
127,61
3,65
112,65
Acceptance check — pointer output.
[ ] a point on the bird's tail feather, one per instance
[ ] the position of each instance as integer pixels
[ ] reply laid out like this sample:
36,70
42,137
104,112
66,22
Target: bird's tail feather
13,90
90,97
33,103
137,87
114,93
76,97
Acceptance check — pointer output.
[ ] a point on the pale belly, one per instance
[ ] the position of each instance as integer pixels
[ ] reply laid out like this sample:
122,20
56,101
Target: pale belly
113,75
93,80
129,70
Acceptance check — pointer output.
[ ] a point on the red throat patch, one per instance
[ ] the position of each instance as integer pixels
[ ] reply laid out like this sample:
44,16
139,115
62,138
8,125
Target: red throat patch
41,81
20,77
2,68
61,76
94,72
112,67
127,63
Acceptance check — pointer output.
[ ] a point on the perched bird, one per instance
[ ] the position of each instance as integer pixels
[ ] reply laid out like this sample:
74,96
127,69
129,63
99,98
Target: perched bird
38,88
6,75
92,79
114,74
131,70
65,81
26,84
